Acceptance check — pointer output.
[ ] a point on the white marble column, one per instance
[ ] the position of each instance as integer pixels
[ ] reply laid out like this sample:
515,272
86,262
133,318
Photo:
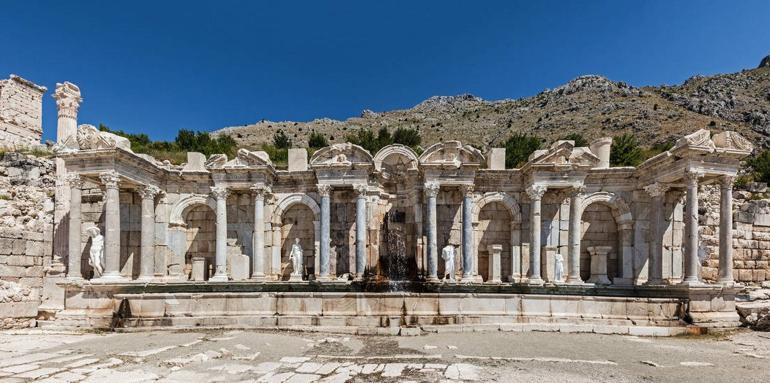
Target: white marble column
258,252
220,258
657,209
535,193
691,262
361,228
468,241
726,230
147,261
575,234
431,191
111,227
75,227
325,191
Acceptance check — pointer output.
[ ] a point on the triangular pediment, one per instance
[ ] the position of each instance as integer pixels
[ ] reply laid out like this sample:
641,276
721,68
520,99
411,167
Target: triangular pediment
564,153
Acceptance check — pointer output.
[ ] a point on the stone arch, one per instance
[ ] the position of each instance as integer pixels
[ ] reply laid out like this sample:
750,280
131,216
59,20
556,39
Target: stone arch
179,211
621,269
511,261
395,150
283,206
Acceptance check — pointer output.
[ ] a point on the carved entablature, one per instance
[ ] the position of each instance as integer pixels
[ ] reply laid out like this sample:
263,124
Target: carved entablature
698,140
244,159
394,162
451,154
345,155
732,142
88,137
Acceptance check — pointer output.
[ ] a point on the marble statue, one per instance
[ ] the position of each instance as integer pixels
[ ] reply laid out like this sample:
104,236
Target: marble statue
96,255
296,258
558,265
448,255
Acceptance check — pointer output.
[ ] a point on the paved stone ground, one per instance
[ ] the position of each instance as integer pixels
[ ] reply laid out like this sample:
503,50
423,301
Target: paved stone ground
249,356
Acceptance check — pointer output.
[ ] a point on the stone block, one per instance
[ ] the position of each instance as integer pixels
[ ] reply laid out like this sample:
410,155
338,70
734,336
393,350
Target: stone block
297,160
19,309
198,269
239,267
496,159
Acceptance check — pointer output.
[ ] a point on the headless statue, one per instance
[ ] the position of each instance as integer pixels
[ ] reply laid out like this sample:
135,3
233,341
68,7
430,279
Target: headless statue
448,255
96,255
558,272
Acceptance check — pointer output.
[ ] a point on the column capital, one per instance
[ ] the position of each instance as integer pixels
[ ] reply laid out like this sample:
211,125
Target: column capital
67,96
656,189
467,190
261,191
361,189
727,181
536,192
220,192
576,190
110,179
149,191
324,189
692,176
431,189
73,180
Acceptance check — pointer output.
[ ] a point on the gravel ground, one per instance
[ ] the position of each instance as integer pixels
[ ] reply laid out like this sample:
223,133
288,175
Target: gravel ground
251,356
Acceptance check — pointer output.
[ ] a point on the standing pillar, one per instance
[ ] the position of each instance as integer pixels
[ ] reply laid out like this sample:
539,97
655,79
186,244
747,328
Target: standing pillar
325,191
220,258
75,232
468,241
574,235
258,254
431,191
147,261
111,227
691,226
535,193
657,208
726,230
360,230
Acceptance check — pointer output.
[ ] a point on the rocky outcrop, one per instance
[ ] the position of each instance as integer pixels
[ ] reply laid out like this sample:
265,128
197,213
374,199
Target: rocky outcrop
765,63
754,310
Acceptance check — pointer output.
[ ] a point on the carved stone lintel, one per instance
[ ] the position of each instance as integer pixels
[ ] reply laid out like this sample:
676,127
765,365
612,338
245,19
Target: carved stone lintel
110,179
219,192
361,189
261,191
324,189
656,189
73,180
536,192
149,191
431,189
467,190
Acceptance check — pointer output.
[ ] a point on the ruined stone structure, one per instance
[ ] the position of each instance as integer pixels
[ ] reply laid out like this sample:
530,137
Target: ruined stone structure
348,239
21,113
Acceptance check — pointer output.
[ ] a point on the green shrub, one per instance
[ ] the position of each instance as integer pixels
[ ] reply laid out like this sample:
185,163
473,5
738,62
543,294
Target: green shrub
519,147
626,151
317,140
760,166
408,137
281,140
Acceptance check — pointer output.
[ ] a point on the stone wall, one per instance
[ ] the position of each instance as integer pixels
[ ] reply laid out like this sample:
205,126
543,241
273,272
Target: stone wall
26,230
751,233
21,112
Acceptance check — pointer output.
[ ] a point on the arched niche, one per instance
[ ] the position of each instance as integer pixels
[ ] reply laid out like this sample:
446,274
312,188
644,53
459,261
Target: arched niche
602,205
292,217
492,226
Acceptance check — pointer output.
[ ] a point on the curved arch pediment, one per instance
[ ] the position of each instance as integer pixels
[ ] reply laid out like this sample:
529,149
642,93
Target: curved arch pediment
395,159
342,155
619,207
293,199
243,159
451,153
180,209
508,201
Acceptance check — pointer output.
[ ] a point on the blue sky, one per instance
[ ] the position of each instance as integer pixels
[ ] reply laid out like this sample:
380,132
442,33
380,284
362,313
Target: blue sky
157,66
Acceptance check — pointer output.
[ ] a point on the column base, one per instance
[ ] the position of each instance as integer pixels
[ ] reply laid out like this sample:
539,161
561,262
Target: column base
219,278
574,281
599,280
657,282
692,282
535,281
258,277
726,282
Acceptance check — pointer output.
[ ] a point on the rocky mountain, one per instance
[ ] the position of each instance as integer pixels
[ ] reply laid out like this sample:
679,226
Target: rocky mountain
590,105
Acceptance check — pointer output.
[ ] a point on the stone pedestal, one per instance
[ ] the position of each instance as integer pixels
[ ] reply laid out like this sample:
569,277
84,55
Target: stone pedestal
238,263
495,273
198,269
599,264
